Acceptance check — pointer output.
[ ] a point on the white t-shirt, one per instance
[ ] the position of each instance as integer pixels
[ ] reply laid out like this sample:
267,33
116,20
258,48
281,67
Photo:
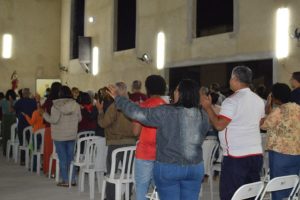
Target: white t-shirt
241,138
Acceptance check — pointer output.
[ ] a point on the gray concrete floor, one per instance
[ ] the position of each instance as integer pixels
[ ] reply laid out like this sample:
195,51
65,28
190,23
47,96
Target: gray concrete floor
16,183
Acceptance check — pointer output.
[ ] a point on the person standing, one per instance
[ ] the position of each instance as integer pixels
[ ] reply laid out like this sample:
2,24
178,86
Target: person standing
295,83
48,142
8,116
146,147
118,133
238,123
283,136
24,105
64,118
181,129
137,96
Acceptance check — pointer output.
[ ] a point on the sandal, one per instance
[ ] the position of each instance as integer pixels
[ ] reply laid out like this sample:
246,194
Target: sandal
63,184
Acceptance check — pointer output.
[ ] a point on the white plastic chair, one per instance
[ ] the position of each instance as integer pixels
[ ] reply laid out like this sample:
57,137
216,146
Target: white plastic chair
38,151
85,134
281,183
248,191
123,176
25,146
79,158
13,143
54,156
296,195
213,167
92,166
153,195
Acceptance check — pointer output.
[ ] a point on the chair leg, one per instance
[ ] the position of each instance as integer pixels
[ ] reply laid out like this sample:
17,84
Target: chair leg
118,194
92,184
99,180
127,192
27,158
211,185
70,174
38,163
7,151
50,167
103,189
82,176
57,171
31,161
15,151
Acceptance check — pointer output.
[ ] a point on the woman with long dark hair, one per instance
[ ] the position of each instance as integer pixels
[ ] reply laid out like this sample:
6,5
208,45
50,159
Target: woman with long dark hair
181,129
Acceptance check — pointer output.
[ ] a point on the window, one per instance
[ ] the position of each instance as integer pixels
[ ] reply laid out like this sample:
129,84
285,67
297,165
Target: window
214,17
77,26
125,24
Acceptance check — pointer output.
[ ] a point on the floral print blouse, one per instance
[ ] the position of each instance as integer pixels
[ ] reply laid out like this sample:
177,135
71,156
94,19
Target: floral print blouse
283,129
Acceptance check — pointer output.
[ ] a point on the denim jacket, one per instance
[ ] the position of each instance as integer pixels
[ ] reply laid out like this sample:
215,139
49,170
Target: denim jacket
180,131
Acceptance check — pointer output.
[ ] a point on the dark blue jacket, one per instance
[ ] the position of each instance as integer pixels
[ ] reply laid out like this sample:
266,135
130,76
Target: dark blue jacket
26,106
295,96
180,131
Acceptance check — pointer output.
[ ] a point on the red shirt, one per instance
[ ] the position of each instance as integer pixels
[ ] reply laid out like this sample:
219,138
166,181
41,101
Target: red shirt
146,147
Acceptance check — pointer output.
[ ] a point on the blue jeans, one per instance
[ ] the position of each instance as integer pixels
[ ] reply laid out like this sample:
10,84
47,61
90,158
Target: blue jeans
65,152
143,176
283,165
178,182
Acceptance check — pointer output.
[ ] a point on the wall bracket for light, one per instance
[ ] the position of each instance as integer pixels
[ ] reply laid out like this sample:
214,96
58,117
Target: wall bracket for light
145,58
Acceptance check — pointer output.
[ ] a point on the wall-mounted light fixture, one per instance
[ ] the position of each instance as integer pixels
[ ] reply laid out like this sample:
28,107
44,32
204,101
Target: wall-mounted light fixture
91,19
145,58
95,61
282,32
7,46
160,50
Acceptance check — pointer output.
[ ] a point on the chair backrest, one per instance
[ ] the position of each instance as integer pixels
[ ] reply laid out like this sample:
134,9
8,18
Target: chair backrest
93,150
26,131
80,153
248,191
13,133
127,165
281,183
85,134
39,133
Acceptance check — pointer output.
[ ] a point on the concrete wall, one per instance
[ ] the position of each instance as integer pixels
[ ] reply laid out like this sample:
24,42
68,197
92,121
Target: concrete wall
35,26
253,38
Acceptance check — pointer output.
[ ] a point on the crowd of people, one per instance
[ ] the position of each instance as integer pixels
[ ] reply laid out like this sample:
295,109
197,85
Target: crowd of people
169,135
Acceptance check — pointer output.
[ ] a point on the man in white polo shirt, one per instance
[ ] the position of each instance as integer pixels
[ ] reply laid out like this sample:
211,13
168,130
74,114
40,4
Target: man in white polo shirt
238,123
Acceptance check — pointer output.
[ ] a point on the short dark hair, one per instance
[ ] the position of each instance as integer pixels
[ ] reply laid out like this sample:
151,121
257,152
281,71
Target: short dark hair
55,87
11,93
296,76
281,92
189,96
65,92
243,74
155,85
84,98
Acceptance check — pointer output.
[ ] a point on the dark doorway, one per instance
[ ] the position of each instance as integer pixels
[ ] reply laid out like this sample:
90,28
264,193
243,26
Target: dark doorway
221,72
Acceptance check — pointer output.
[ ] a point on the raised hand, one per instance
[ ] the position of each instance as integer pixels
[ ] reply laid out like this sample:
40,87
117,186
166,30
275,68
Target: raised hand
112,91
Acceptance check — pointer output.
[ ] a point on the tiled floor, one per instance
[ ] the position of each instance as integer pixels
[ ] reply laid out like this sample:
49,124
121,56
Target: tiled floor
16,183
